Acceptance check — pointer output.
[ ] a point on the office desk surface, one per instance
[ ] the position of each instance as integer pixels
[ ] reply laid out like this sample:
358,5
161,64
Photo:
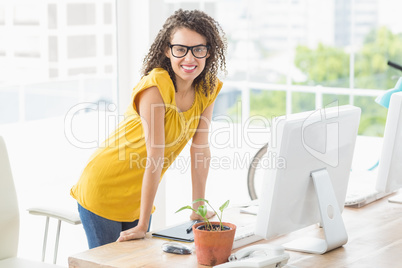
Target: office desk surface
375,240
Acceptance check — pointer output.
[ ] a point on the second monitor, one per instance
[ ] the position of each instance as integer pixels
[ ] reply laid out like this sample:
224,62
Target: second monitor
317,149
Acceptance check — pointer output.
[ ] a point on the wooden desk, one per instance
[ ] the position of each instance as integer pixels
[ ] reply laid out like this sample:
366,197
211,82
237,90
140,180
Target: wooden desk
375,240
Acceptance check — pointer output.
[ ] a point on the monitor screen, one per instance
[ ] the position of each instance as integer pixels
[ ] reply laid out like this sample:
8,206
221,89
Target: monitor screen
390,168
316,148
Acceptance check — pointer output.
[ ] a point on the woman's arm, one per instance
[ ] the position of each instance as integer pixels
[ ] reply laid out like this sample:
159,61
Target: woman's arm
200,159
151,108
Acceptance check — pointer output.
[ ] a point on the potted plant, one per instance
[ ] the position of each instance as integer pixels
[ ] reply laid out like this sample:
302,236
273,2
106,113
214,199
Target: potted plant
213,240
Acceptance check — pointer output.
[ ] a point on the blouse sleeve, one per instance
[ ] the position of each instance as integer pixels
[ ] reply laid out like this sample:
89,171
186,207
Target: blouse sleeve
158,78
214,95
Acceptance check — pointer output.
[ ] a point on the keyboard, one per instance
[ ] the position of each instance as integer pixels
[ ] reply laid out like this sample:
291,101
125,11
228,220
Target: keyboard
361,189
253,210
362,198
245,235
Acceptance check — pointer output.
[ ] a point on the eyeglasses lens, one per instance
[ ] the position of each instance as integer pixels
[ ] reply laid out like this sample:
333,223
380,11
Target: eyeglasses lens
181,51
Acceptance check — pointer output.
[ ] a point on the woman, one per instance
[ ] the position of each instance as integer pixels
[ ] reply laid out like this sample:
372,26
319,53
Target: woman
172,103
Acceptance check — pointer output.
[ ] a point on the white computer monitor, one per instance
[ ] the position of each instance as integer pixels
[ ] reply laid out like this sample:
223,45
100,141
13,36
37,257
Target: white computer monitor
390,166
317,149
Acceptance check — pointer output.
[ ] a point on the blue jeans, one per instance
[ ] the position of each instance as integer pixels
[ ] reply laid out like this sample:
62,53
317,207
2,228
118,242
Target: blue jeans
101,231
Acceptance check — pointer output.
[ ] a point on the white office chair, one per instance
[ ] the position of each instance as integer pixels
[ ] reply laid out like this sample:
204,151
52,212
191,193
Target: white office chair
9,219
60,215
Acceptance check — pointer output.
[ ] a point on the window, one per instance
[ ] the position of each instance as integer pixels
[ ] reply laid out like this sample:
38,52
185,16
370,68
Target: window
58,53
58,86
313,52
293,56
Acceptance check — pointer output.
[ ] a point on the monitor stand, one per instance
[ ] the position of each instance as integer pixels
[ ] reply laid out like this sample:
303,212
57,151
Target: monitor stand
331,219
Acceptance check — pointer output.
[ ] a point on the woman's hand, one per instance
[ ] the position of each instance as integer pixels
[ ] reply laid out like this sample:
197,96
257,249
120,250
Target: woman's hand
134,233
195,217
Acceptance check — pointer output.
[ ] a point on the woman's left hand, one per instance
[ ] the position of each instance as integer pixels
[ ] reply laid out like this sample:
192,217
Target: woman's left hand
133,233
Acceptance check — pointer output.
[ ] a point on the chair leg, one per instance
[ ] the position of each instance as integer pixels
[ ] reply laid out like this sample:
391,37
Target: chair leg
56,246
45,239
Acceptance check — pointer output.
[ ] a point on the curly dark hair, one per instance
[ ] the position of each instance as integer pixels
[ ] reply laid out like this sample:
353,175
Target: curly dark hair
201,23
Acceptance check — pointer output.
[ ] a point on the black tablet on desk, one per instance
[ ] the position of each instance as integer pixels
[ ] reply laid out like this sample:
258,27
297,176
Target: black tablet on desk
182,232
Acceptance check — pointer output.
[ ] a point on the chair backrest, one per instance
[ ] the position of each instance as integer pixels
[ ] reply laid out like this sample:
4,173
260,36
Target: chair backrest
9,213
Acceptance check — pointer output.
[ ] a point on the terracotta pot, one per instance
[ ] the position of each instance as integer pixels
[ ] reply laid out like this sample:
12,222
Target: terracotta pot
213,247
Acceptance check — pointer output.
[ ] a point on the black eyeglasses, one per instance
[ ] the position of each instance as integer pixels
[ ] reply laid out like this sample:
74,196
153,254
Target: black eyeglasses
180,51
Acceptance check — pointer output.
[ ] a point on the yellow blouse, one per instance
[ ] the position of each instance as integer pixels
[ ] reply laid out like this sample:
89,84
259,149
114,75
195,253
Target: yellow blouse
110,185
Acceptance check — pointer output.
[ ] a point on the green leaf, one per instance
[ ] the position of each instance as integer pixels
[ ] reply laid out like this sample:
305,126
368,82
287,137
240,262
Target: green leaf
200,200
202,211
183,208
225,205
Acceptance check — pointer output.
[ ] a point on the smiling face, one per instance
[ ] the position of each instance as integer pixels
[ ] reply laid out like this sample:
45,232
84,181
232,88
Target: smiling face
188,67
